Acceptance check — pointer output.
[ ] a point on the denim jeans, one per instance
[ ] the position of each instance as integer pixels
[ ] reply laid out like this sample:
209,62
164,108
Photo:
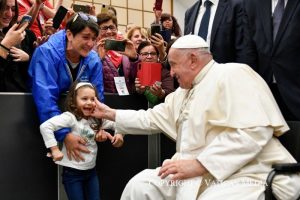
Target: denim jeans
81,184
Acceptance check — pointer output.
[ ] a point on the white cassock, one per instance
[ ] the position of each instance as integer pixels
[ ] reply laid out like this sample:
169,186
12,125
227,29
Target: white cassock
229,121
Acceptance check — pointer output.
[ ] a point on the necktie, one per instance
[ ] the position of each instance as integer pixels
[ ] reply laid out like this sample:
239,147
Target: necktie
205,20
277,15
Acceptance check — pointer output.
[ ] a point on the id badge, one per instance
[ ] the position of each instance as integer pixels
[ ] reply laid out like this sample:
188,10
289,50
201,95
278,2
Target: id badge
121,86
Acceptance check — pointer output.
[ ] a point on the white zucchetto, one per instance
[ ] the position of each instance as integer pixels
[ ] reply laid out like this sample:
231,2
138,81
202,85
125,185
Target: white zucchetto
189,42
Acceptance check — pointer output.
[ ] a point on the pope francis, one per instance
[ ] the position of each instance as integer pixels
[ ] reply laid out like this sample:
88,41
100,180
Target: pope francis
225,122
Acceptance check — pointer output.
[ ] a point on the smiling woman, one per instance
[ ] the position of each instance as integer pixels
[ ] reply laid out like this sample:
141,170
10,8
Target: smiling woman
157,92
81,32
9,13
66,57
137,34
15,49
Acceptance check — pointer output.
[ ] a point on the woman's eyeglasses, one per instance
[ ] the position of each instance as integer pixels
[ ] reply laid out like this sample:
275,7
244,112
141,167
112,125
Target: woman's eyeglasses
85,17
146,54
111,27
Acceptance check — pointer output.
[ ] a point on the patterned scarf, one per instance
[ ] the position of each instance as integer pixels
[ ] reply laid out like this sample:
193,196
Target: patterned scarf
115,58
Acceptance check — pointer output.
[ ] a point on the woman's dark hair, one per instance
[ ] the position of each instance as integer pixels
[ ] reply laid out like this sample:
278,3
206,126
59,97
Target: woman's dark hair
14,19
105,17
145,44
169,45
71,104
76,24
2,5
176,28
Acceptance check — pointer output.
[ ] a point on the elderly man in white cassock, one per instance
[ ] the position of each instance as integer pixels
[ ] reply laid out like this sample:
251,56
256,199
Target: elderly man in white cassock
225,122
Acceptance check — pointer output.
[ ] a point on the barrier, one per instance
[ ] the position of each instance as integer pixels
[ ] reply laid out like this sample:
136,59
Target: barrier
25,171
116,166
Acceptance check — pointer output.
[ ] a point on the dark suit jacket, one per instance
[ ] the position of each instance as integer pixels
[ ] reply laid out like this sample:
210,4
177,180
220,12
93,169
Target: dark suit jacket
281,57
227,44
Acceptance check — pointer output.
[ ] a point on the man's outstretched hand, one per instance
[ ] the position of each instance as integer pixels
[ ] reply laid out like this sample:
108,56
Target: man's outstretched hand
102,111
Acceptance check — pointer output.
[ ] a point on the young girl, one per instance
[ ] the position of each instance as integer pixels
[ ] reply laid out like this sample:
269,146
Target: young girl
79,177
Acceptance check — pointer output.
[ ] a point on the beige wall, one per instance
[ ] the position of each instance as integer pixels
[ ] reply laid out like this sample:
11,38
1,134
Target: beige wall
138,12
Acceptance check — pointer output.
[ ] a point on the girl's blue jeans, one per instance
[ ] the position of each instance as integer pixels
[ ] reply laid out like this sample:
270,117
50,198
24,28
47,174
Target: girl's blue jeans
81,184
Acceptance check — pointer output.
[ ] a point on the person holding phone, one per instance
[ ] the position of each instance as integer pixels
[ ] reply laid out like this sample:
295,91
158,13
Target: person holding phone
40,10
170,28
66,57
157,15
156,93
58,22
15,50
169,22
121,64
158,41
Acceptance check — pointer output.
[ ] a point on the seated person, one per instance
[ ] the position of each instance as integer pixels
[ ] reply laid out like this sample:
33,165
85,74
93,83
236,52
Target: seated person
225,121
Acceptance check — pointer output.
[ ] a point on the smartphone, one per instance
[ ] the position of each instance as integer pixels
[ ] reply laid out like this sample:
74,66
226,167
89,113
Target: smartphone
158,4
25,18
81,8
155,28
116,45
59,16
149,73
166,34
104,9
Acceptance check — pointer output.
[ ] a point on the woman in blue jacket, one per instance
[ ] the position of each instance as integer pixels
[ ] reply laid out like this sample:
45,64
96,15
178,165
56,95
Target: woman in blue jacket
66,57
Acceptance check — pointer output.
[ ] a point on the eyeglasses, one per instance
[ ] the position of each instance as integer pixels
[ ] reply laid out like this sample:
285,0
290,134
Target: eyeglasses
85,17
111,27
146,54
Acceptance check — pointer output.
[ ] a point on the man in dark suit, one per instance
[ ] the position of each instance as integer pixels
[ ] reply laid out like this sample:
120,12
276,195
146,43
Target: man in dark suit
277,52
225,30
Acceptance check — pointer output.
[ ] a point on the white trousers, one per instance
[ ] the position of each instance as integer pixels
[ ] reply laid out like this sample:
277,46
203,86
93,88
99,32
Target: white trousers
147,185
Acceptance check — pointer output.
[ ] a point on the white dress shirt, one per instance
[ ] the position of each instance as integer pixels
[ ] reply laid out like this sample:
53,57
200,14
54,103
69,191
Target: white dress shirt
211,19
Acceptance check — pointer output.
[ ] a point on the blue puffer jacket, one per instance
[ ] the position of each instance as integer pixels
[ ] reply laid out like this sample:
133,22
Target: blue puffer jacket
50,76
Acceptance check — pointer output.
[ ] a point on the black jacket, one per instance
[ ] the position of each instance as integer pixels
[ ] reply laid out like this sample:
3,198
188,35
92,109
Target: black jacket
14,75
281,57
227,35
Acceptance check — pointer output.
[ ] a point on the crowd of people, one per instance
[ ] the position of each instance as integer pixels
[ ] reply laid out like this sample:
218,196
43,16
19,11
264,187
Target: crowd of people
209,109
